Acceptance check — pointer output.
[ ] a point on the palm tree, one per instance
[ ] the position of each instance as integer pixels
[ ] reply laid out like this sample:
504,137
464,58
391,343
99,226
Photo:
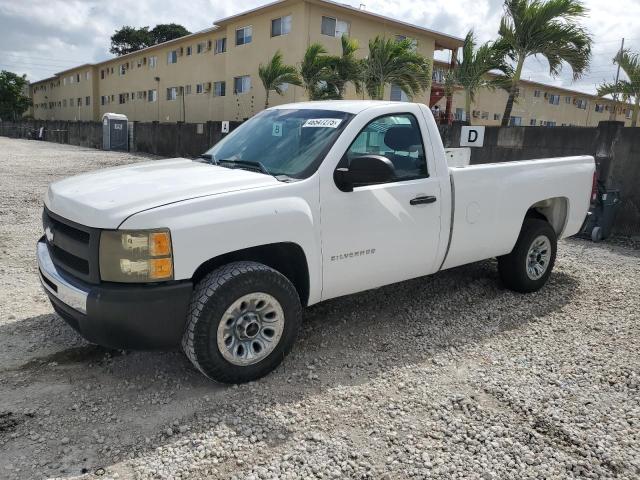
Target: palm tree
471,71
325,77
346,68
317,71
275,74
547,28
630,64
395,62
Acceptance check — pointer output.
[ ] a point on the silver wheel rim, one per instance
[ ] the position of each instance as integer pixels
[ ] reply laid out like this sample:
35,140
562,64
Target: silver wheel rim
538,258
250,329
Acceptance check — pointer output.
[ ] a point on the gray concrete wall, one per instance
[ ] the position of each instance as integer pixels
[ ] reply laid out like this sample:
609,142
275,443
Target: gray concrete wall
163,139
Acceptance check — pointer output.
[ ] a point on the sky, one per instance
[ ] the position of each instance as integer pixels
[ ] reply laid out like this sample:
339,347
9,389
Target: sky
41,37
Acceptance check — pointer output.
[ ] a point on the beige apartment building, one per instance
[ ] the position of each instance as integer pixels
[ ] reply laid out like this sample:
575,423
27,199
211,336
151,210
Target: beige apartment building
213,74
538,104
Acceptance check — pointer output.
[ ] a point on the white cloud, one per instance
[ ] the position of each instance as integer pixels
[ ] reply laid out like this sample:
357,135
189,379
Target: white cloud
41,37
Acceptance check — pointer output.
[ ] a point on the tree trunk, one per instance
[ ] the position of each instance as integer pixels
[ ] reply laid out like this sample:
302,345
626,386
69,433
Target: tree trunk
467,105
512,92
266,100
634,117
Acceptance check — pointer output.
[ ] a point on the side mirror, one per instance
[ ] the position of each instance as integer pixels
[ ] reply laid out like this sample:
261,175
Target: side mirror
364,170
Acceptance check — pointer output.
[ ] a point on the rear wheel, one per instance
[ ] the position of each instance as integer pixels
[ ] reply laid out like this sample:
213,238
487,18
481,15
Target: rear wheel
243,319
527,268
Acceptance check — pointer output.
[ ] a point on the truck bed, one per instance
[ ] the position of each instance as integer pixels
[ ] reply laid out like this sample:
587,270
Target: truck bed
490,202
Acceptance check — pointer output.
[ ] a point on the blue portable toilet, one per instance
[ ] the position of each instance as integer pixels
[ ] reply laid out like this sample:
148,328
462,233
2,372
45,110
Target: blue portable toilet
115,135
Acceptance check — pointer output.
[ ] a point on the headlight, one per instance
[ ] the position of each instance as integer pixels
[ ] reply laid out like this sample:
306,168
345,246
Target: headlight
136,256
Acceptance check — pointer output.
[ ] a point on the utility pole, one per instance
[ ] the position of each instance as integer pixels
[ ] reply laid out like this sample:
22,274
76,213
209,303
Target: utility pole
614,113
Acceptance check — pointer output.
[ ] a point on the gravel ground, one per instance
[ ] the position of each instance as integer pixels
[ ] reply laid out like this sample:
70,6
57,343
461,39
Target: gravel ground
449,376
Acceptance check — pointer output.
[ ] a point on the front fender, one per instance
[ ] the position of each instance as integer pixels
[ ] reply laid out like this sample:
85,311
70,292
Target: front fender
208,227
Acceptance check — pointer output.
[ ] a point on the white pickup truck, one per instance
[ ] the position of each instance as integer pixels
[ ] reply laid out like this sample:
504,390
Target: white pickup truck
300,204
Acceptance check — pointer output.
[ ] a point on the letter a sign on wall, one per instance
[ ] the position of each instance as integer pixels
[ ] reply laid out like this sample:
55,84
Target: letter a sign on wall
472,137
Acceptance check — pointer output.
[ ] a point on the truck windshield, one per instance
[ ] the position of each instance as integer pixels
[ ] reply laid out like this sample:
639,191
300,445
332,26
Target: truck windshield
287,142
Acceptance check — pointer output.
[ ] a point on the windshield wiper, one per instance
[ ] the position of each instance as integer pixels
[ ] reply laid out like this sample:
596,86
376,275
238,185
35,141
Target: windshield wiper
248,165
208,157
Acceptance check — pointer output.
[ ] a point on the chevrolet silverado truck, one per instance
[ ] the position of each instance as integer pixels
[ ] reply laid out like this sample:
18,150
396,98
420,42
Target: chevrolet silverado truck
300,204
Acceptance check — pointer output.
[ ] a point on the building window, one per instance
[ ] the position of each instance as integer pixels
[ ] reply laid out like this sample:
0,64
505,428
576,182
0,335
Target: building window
172,93
189,48
187,89
172,57
153,61
219,89
79,102
244,35
121,98
414,42
599,107
397,95
515,121
241,84
567,100
496,116
221,45
87,75
537,93
532,122
199,87
152,95
77,78
123,69
581,104
554,99
551,124
333,27
629,113
281,26
103,100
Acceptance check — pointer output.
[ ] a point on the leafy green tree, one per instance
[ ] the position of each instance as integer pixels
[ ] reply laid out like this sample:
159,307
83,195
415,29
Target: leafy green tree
628,89
471,71
131,39
13,99
548,28
395,62
167,31
275,74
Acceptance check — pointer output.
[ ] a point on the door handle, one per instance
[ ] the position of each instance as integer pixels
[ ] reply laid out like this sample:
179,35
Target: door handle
422,200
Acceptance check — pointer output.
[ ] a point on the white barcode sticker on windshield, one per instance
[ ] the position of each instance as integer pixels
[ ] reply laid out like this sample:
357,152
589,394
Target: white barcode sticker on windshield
322,122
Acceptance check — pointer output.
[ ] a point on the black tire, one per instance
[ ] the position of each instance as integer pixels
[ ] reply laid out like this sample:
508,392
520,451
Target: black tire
513,267
213,295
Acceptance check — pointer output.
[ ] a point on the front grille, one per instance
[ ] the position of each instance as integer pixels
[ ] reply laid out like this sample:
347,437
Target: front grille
74,247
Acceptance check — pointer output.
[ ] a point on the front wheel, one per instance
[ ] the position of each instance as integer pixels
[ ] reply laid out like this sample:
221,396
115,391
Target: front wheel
243,319
527,268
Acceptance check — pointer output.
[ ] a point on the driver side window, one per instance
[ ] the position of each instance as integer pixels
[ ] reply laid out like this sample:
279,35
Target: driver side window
396,137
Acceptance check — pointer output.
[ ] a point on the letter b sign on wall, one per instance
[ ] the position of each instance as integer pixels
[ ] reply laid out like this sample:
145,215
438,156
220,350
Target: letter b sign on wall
472,137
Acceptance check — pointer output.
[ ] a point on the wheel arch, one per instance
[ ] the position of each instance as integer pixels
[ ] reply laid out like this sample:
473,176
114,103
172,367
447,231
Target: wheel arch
553,210
288,258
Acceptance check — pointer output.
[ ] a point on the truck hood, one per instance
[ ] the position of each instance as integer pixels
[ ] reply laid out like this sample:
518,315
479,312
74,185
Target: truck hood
105,198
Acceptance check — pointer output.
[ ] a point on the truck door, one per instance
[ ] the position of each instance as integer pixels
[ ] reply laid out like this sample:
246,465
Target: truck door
384,233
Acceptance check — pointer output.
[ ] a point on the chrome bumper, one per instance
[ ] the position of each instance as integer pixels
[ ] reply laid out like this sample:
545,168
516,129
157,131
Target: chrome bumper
57,285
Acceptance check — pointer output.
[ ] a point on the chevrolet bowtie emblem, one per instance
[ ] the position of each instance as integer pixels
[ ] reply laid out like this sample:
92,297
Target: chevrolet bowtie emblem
49,234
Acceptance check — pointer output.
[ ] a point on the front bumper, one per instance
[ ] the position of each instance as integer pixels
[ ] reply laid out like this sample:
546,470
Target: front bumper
145,316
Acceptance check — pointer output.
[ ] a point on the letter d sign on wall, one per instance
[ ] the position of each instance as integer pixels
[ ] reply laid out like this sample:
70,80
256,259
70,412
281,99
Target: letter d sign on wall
472,137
